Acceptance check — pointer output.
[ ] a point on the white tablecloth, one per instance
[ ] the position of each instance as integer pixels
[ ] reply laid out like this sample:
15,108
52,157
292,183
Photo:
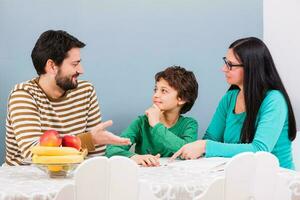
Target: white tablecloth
189,179
28,182
180,180
183,179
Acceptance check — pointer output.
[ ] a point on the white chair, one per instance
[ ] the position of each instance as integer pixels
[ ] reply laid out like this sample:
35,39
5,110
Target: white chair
268,183
66,193
249,176
101,178
215,191
92,179
123,182
266,174
239,174
237,182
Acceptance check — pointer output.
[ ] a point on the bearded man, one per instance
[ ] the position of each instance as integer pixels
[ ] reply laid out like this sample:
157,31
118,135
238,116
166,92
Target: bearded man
56,99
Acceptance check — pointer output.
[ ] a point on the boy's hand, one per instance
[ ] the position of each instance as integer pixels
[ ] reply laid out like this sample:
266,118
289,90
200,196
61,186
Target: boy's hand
147,160
153,114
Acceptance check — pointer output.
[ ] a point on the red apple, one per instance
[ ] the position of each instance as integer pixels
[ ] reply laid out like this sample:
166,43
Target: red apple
50,138
71,141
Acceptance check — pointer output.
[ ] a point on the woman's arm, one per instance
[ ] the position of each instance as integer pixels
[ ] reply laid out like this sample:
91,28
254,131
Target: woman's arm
270,122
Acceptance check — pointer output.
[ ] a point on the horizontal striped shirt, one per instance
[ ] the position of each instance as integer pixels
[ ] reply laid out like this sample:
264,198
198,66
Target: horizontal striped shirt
31,112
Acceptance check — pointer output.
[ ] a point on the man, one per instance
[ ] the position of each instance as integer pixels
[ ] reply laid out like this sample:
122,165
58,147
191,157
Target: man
56,99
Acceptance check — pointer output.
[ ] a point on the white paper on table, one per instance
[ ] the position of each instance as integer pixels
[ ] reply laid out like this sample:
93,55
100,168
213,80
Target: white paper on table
165,161
214,163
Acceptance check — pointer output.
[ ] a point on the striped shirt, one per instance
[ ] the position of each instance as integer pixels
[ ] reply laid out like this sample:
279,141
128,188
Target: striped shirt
31,112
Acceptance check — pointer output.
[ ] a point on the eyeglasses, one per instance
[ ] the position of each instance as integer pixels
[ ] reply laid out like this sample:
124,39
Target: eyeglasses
230,65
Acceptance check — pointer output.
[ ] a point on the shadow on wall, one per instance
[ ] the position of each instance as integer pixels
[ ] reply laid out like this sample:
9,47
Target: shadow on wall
296,151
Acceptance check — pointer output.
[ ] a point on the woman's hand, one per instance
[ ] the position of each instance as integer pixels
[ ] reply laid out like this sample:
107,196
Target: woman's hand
146,160
192,150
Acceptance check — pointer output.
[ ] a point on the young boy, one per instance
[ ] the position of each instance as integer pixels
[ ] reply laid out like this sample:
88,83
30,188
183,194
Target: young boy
163,130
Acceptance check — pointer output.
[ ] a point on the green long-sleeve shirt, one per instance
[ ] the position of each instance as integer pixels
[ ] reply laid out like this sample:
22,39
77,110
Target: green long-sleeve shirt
159,139
271,135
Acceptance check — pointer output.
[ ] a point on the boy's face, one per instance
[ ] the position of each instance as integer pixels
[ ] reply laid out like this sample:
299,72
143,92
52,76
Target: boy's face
166,97
70,69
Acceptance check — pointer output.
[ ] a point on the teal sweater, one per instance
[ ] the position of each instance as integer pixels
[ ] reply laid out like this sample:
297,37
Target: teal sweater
271,135
159,139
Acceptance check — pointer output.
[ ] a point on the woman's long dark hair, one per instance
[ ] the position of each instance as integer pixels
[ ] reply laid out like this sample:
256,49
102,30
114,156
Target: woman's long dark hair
260,75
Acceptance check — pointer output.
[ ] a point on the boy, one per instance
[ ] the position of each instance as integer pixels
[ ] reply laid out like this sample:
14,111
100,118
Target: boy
163,130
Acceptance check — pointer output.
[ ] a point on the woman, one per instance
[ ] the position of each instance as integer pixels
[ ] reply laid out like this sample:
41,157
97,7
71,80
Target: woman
254,115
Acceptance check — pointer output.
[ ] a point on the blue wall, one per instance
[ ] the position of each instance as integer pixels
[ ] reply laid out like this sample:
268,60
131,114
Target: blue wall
128,41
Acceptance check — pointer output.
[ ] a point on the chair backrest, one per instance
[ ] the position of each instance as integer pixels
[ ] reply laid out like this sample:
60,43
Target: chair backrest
239,177
266,174
66,193
215,191
92,179
296,151
123,182
254,176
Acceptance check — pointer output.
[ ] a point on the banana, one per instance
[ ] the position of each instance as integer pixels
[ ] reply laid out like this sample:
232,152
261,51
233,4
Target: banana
57,159
55,168
54,151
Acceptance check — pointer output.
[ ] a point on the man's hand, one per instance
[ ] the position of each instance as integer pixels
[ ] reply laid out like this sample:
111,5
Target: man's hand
101,136
147,160
191,151
153,114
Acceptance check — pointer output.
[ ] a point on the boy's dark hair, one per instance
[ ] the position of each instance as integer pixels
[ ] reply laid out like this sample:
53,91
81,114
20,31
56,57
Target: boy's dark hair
184,82
53,45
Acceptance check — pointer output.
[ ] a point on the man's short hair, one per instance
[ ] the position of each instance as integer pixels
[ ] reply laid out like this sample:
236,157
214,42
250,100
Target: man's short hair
53,45
184,82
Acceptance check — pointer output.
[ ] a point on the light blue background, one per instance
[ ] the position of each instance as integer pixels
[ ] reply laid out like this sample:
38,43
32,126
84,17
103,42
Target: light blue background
128,41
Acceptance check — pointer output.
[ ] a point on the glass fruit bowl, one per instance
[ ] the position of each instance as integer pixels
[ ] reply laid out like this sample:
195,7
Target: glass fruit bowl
57,170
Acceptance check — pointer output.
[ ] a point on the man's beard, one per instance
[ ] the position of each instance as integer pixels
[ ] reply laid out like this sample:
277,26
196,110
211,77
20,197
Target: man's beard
66,83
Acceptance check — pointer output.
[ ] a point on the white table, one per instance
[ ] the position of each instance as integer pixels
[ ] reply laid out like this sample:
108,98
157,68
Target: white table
180,180
189,179
28,182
